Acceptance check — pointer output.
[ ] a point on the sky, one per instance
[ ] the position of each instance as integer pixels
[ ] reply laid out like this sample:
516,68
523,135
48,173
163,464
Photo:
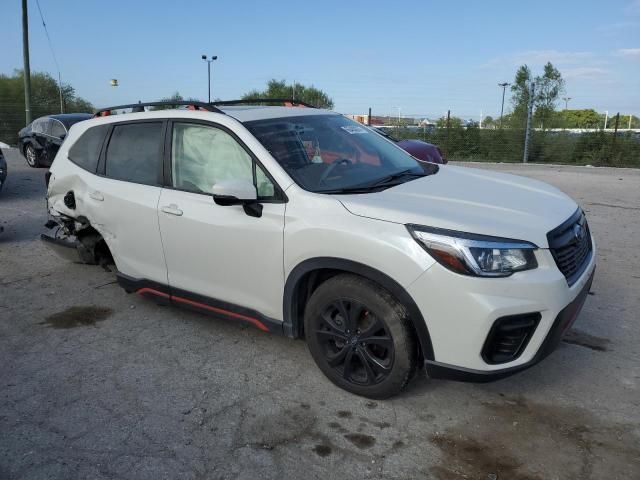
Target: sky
418,58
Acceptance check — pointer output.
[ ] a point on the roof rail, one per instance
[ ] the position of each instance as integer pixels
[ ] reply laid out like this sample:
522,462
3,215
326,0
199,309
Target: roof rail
288,102
103,112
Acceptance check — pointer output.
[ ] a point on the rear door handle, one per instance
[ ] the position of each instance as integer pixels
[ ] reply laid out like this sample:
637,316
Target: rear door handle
96,195
172,210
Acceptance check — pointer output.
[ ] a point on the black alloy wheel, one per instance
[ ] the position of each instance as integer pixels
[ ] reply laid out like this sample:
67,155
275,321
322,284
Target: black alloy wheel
360,336
355,342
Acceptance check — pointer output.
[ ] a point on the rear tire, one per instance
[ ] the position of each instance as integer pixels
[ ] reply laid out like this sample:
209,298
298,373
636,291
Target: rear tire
360,337
31,156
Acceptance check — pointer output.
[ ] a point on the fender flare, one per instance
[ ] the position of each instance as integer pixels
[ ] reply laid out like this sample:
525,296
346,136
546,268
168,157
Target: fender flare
292,323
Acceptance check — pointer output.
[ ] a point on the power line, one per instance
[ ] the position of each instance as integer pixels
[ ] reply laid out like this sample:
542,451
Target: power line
53,54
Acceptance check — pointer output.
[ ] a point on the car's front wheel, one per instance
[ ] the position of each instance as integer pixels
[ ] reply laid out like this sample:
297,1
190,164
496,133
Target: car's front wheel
31,155
360,336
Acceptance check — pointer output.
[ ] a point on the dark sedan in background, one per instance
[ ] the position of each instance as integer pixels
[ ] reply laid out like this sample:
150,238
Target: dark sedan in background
40,140
3,170
419,149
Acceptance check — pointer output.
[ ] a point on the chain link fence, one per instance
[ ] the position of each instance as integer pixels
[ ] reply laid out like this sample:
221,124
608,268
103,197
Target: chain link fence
471,143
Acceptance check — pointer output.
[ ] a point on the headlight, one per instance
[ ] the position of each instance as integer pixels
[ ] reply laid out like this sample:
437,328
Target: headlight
478,255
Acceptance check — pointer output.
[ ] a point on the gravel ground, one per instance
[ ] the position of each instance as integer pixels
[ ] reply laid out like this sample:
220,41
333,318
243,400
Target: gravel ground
95,383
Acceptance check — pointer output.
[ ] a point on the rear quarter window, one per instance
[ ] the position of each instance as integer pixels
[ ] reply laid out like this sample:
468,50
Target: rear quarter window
86,151
134,153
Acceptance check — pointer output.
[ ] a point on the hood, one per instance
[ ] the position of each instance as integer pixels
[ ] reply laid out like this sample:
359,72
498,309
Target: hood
470,200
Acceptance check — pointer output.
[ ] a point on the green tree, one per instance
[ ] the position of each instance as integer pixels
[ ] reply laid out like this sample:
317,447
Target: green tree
519,98
585,118
45,100
489,122
454,122
176,97
280,89
549,87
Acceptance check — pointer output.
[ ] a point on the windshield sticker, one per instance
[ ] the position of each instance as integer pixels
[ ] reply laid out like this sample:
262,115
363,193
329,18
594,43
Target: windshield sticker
353,129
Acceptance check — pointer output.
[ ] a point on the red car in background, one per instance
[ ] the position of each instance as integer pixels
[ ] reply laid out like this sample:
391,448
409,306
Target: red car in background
419,149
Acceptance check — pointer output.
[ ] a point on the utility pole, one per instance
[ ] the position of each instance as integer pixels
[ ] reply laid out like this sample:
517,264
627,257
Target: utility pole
448,132
527,135
504,86
60,91
480,120
606,117
369,118
629,127
25,56
566,102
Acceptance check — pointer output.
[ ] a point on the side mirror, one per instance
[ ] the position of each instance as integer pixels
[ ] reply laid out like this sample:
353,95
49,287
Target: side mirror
238,192
234,192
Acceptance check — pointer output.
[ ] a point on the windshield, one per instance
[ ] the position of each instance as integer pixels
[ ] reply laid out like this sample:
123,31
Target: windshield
332,154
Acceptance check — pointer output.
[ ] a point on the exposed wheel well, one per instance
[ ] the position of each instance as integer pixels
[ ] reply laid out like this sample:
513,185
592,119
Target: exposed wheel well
94,248
310,274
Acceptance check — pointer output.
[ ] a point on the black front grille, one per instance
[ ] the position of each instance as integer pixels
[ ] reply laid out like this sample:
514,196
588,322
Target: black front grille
509,337
570,245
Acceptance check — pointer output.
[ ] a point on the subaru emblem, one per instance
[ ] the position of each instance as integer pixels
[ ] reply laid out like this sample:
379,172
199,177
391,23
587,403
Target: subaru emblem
578,232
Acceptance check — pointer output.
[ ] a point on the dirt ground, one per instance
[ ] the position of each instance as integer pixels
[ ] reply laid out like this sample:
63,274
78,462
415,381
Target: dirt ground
95,383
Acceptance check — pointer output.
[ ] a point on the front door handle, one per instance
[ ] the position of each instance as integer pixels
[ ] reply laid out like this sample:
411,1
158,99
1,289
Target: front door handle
172,210
96,195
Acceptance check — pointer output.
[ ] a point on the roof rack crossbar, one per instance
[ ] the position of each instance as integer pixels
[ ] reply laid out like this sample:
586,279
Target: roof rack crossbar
199,105
253,101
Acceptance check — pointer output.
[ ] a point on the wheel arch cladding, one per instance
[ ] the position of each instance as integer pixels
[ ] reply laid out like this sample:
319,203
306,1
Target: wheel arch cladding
312,272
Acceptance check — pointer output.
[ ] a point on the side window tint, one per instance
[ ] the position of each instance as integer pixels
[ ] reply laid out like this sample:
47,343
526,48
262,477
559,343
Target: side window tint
134,152
86,151
37,126
201,156
57,129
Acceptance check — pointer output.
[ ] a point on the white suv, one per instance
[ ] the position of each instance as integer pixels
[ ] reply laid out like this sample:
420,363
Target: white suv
304,223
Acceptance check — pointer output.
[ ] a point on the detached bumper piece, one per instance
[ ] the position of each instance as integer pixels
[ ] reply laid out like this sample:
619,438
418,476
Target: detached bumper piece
68,248
561,324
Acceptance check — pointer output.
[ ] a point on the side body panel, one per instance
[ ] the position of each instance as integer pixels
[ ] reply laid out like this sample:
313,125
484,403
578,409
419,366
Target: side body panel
221,252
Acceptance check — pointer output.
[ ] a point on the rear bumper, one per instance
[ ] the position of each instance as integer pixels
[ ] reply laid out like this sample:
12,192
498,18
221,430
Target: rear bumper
561,324
65,248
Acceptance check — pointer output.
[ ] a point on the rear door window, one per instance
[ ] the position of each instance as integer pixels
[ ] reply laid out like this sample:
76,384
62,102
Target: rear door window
134,153
86,151
57,129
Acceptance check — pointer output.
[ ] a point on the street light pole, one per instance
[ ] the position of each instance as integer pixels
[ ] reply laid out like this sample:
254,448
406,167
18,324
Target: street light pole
213,57
566,102
504,86
25,56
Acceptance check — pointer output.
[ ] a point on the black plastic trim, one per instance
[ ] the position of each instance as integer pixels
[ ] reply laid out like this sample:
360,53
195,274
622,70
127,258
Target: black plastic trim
293,323
201,303
495,330
262,100
201,105
554,243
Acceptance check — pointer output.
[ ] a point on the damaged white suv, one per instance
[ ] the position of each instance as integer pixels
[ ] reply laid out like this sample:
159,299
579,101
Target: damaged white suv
304,223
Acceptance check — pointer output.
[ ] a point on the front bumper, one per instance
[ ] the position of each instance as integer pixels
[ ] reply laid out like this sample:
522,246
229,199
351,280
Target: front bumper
561,324
460,311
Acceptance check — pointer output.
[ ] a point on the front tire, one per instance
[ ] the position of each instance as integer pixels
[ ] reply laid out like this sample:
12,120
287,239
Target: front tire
360,337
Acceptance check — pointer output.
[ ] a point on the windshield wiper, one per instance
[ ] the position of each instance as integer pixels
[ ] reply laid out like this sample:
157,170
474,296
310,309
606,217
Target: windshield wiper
392,179
368,189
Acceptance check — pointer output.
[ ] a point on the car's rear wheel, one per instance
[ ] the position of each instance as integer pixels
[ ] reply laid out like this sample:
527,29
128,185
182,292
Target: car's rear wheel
360,336
31,155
